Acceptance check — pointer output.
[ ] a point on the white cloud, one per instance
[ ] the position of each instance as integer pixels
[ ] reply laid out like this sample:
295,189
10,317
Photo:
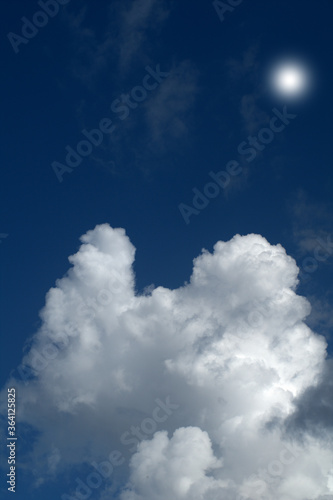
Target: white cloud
230,350
175,468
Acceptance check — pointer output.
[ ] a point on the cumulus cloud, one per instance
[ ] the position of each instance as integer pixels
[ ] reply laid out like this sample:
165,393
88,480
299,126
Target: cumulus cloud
174,468
315,406
202,389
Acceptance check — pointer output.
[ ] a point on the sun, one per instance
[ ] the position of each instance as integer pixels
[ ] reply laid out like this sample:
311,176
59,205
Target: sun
290,78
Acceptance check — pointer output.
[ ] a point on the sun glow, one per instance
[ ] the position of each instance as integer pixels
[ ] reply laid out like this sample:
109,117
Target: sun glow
290,78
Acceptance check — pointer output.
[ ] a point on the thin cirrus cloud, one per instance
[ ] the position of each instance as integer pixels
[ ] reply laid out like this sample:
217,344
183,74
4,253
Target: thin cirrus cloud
247,68
136,21
159,122
167,112
310,221
124,41
231,351
128,40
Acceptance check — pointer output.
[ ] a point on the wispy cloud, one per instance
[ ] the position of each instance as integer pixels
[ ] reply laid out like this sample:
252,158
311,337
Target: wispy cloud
167,113
158,124
90,53
311,220
312,232
244,73
253,116
244,67
138,20
125,42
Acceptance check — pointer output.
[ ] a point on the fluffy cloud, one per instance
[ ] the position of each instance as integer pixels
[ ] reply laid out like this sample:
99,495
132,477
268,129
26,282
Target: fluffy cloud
206,384
174,468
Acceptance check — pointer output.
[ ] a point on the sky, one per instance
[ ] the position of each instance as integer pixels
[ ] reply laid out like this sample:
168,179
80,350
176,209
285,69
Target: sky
166,241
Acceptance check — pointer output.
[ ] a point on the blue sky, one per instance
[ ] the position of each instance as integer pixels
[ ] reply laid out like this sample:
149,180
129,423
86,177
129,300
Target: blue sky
175,91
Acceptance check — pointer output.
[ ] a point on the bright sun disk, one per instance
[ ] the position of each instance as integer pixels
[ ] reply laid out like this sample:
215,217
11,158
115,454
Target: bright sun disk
290,78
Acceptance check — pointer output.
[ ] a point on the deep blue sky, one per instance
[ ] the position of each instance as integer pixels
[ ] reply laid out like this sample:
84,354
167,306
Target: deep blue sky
65,79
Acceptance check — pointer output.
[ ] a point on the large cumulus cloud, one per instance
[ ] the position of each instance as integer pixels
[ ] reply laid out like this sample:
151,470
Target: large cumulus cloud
229,352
